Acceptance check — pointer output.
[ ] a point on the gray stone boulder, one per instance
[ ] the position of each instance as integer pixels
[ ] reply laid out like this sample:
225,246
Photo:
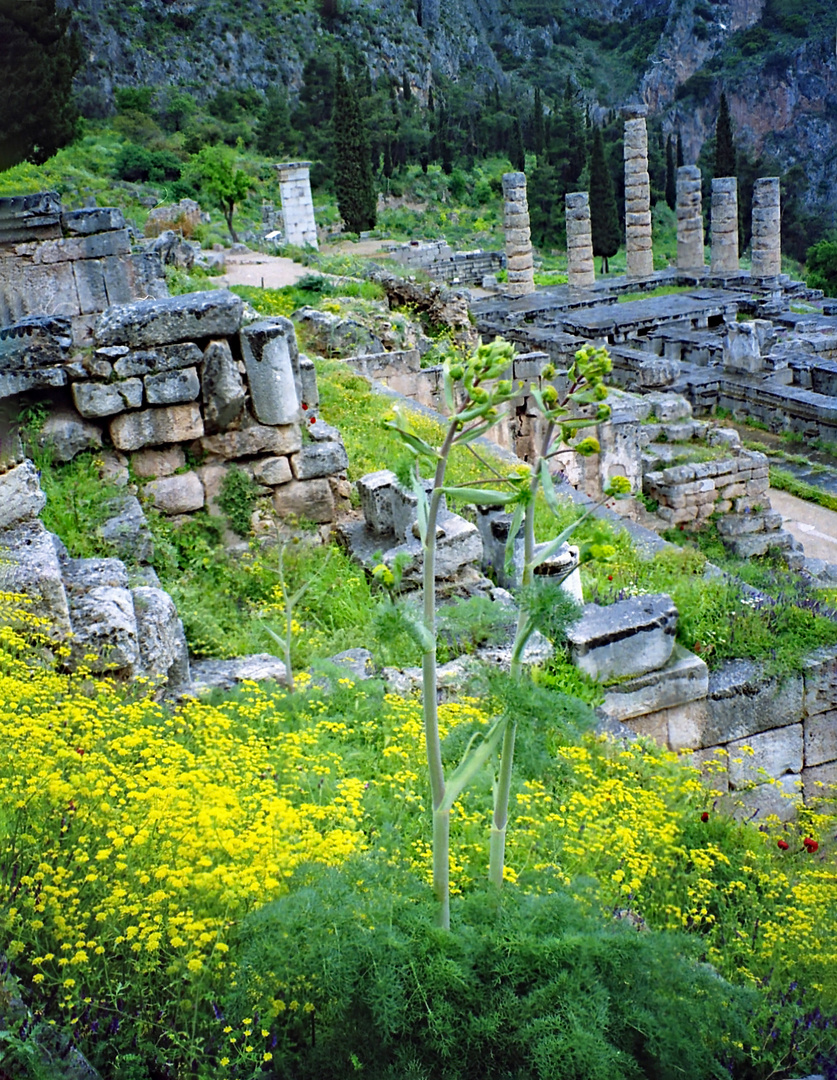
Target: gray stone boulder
152,361
320,459
106,399
225,674
628,638
66,434
21,498
104,625
172,387
127,533
222,387
155,426
162,643
180,494
173,250
215,313
29,564
335,335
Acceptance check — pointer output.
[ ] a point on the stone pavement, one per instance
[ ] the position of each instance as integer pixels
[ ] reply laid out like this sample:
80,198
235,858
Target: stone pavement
814,526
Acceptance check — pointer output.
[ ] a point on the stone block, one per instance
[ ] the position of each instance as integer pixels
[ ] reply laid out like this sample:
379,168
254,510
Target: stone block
268,358
180,494
820,676
127,532
153,427
94,219
820,738
153,361
252,440
628,638
191,317
90,286
149,464
320,459
779,799
104,624
743,702
820,783
774,753
375,490
171,387
67,434
683,679
29,565
21,498
162,644
225,674
309,392
222,387
272,471
309,499
106,399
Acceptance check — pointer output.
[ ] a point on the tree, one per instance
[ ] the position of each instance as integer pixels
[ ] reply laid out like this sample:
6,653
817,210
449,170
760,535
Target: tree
273,128
671,183
38,57
213,172
821,267
681,161
517,155
353,183
724,143
604,214
537,124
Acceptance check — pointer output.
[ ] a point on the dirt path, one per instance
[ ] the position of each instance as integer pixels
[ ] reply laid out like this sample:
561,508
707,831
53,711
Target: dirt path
814,526
275,271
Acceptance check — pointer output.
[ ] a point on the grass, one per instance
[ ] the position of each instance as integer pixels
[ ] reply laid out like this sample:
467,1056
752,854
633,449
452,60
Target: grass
662,290
783,480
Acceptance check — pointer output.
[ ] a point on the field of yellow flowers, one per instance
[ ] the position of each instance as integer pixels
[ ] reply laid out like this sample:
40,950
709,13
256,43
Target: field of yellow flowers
135,838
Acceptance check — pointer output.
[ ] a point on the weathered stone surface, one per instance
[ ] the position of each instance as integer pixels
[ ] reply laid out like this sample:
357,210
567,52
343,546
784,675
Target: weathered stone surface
127,532
309,499
741,348
67,434
375,490
780,799
319,459
628,638
149,464
335,335
29,565
684,678
272,471
151,427
106,399
820,782
171,387
358,663
766,243
821,738
768,755
743,702
225,674
176,318
252,440
179,494
21,498
222,387
162,643
270,373
94,219
33,351
820,674
102,615
153,361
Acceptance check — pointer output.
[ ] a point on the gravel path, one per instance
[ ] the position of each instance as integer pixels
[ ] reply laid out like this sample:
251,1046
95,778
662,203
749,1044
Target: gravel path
814,526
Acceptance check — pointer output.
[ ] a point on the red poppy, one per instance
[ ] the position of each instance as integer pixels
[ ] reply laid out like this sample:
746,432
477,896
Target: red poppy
610,577
305,406
704,816
783,844
80,750
810,845
313,420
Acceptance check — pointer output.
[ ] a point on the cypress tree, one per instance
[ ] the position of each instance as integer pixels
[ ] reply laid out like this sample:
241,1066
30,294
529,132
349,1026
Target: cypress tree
671,183
604,215
356,197
38,57
680,159
517,155
724,144
537,124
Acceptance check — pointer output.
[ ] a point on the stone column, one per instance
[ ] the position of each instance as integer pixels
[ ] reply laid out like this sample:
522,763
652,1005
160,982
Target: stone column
767,232
724,230
637,194
580,270
518,237
297,203
689,219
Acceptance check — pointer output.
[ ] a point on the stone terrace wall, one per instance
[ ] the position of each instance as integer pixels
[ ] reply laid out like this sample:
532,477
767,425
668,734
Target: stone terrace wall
72,264
440,262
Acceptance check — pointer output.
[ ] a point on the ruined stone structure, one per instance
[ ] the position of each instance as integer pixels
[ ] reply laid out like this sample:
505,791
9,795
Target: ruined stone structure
640,255
767,243
581,272
689,219
519,259
297,203
70,264
724,225
442,263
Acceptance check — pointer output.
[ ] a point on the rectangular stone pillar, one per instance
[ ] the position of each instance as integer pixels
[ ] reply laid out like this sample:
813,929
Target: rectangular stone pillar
689,219
519,263
767,231
724,228
297,203
581,273
640,255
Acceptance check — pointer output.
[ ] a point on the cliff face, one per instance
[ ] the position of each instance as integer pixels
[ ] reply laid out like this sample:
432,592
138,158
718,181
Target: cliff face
783,97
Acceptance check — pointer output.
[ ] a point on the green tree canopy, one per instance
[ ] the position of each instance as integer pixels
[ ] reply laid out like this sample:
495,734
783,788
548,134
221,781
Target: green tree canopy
725,164
821,267
604,214
38,57
353,183
213,172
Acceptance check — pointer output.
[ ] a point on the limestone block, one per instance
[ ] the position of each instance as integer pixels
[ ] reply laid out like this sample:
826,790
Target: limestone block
820,674
127,532
684,678
309,499
94,219
774,753
641,219
310,394
106,399
252,440
162,643
375,490
319,459
270,373
518,238
29,565
90,286
272,471
171,387
222,387
458,545
216,313
780,799
152,427
21,498
820,733
179,494
71,248
742,351
743,702
153,361
712,763
820,782
628,638
67,434
520,262
225,674
104,624
212,478
148,464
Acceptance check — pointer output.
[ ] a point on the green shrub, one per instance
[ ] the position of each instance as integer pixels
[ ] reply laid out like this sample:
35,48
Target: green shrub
239,494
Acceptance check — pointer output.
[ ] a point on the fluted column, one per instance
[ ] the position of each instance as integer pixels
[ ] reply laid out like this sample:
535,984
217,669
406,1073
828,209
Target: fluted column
724,225
581,272
640,256
519,262
689,219
767,231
